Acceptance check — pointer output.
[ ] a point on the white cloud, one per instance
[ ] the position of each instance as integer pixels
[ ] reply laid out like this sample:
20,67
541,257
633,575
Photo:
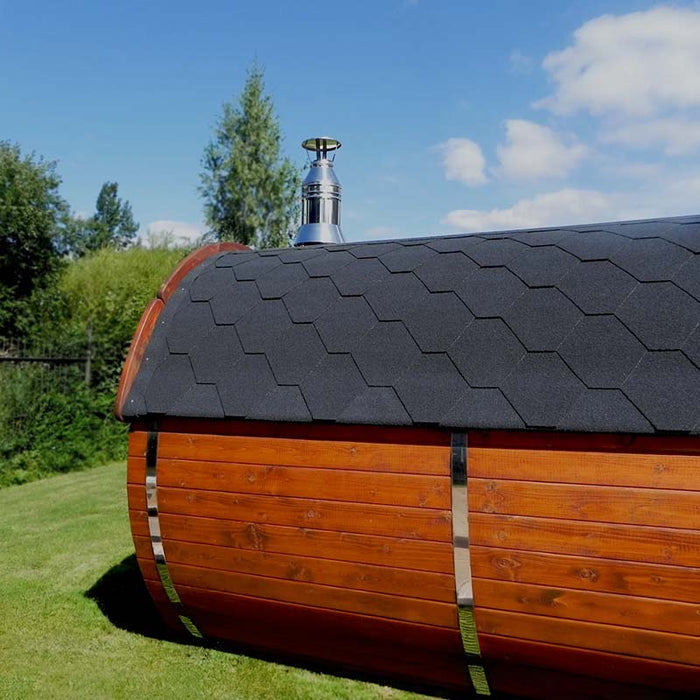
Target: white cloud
172,233
533,151
567,206
639,64
381,232
463,160
677,136
520,63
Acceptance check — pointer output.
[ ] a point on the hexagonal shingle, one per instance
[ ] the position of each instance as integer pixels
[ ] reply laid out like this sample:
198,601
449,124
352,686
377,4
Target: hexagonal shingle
692,347
248,380
453,244
281,403
372,250
407,258
437,321
445,272
212,281
172,378
541,389
258,266
592,245
660,315
275,284
297,351
376,406
259,329
189,324
332,386
650,259
232,259
687,277
486,353
326,264
215,354
542,318
665,387
392,299
490,292
482,408
230,305
384,353
605,410
543,266
200,401
306,302
601,351
344,322
429,387
597,287
494,253
684,234
357,277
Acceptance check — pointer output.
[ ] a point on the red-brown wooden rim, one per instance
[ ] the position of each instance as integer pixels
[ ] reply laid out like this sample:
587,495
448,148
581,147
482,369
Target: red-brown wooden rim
142,335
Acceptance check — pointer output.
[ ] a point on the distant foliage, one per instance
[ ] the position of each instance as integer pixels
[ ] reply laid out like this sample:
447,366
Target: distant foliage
47,425
250,192
111,226
31,217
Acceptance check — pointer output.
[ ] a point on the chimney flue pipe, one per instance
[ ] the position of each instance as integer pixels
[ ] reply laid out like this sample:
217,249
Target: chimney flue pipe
320,196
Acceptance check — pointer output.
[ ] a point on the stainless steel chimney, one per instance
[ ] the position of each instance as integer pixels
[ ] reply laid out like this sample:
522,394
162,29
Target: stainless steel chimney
320,196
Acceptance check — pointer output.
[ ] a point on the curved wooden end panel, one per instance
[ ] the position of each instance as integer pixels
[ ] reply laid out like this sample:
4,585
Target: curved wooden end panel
142,336
194,259
139,343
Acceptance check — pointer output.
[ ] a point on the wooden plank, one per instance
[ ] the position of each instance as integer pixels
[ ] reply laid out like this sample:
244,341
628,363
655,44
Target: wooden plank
305,593
541,684
587,573
340,546
386,648
377,579
405,490
612,504
605,442
369,519
660,674
644,544
663,646
303,431
273,451
660,471
607,608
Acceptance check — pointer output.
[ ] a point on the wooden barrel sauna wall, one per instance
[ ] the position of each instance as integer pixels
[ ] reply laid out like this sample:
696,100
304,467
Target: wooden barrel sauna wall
335,544
470,464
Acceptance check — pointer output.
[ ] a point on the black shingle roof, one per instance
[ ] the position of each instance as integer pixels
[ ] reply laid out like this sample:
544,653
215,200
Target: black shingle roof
583,328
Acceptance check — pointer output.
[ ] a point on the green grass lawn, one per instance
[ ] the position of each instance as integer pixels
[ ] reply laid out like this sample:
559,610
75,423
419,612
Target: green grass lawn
75,621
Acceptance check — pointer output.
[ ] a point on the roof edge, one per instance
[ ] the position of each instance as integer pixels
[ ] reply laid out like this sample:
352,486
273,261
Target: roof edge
144,330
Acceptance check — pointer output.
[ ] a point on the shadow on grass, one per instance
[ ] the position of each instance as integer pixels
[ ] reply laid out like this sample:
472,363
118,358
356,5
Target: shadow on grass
124,600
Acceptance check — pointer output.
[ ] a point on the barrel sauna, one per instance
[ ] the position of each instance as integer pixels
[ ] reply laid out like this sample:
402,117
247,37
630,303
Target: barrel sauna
465,464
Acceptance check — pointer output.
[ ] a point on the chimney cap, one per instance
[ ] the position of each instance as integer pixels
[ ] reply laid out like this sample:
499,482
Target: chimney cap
322,145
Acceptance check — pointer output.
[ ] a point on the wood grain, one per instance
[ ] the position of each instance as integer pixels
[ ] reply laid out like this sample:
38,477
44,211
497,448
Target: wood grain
587,573
273,451
364,577
573,537
670,676
613,504
403,490
340,546
305,593
659,471
386,648
676,648
607,608
361,518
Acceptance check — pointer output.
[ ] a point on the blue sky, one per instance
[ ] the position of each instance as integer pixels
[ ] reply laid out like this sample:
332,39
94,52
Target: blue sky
454,115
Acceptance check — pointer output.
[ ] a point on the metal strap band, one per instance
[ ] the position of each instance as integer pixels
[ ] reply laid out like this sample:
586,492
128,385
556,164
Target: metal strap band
154,531
463,570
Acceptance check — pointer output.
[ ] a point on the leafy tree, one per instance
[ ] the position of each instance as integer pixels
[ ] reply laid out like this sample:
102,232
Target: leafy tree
250,193
31,215
112,225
